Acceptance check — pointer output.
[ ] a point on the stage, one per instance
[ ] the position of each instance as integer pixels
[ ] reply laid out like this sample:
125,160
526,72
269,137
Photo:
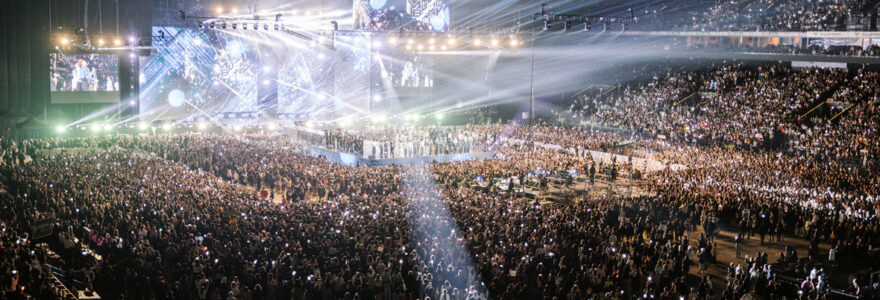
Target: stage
351,159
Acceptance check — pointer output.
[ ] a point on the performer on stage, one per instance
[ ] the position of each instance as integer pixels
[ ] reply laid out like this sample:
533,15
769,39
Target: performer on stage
361,11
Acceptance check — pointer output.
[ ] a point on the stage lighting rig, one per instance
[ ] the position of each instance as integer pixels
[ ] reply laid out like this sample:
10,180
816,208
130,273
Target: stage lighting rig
568,20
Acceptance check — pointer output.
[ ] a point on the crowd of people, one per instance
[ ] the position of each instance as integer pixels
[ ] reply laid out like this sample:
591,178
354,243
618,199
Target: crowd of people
775,15
410,141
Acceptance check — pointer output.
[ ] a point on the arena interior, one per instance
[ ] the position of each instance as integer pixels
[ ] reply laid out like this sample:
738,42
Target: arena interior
439,149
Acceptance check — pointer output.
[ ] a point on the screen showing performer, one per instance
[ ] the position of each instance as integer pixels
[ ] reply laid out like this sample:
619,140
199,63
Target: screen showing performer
83,72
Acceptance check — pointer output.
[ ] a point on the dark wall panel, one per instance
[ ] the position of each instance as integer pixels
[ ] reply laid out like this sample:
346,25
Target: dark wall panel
24,58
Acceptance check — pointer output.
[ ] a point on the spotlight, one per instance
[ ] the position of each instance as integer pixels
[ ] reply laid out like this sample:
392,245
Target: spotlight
443,47
272,126
439,116
451,41
420,47
494,42
476,42
167,126
142,125
223,25
431,41
513,42
235,10
61,128
431,47
132,102
108,127
96,127
243,26
220,10
267,68
393,40
236,127
256,26
131,39
202,125
117,42
408,47
101,42
377,44
265,26
266,82
65,41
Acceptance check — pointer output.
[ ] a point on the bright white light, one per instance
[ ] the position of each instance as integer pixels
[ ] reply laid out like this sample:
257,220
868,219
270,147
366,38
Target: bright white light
167,126
61,128
408,47
514,42
267,68
443,47
132,102
322,56
310,124
410,41
439,116
266,82
235,10
131,39
451,41
494,43
117,42
393,40
236,127
322,97
202,125
108,127
420,46
378,119
176,98
377,44
431,41
377,98
272,126
220,10
96,127
142,125
64,41
477,42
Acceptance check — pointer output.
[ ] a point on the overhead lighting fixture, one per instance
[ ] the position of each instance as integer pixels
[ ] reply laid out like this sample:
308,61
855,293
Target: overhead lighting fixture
494,42
220,10
476,42
65,41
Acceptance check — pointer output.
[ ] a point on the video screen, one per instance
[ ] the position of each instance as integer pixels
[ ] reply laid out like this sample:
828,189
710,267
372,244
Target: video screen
410,15
84,72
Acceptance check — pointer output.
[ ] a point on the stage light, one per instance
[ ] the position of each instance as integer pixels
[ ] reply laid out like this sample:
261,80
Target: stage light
202,125
377,98
272,126
235,10
494,42
244,26
431,47
310,124
266,82
219,10
201,25
101,42
96,127
108,127
377,44
439,116
167,126
408,47
476,42
117,42
267,68
321,56
514,42
65,41
451,41
393,40
420,47
131,103
431,41
61,129
142,125
443,47
131,39
410,41
236,127
176,98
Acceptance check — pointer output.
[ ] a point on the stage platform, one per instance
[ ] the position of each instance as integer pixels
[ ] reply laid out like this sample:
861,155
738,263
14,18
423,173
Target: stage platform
351,159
